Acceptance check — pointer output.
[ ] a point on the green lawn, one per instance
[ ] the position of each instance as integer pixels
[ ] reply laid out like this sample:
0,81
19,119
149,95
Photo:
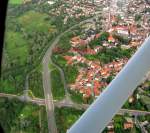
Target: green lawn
16,47
15,1
76,97
70,72
36,84
57,85
59,60
35,21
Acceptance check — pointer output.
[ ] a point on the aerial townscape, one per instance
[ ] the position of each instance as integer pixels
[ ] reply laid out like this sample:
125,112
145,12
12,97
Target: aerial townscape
60,55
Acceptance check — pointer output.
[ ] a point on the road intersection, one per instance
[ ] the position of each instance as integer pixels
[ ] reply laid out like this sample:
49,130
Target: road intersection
68,103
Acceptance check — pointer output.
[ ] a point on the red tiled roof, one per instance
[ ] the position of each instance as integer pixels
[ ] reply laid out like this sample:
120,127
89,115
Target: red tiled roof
114,18
128,125
75,39
88,92
110,131
90,51
68,59
97,84
82,42
96,91
119,28
110,38
97,36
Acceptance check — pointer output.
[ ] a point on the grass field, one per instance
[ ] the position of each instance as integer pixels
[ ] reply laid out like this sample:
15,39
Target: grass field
57,85
15,1
35,83
35,21
16,46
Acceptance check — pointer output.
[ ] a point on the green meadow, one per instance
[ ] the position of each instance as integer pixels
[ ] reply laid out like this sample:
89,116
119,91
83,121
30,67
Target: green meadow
15,1
31,21
16,46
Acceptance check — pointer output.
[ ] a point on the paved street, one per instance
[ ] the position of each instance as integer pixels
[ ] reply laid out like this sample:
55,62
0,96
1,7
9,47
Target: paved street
24,99
47,90
46,78
68,103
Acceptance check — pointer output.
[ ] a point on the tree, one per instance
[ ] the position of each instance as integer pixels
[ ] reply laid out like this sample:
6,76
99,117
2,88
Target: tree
122,39
118,120
104,36
138,17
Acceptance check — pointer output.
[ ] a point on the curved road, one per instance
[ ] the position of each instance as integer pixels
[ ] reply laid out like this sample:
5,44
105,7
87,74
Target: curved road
46,78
